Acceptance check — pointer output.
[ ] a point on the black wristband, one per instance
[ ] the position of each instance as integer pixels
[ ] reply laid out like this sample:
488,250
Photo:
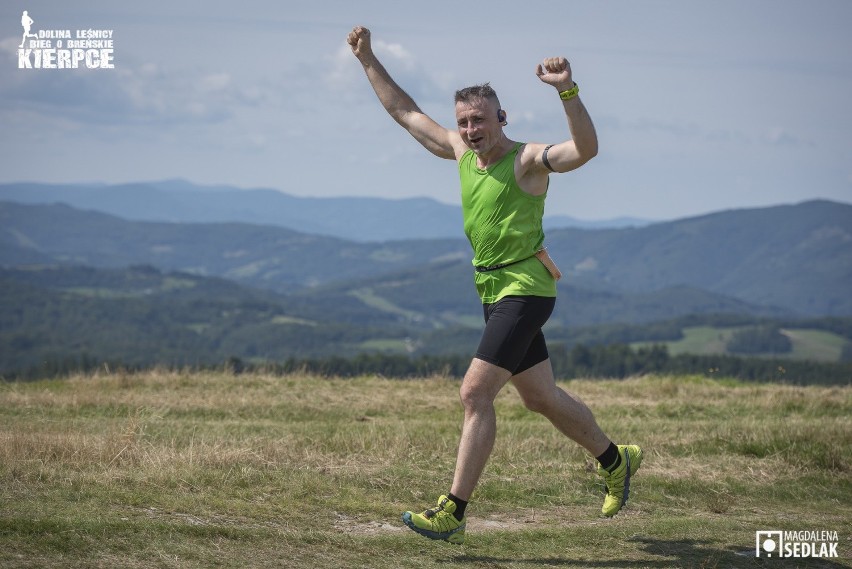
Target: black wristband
544,158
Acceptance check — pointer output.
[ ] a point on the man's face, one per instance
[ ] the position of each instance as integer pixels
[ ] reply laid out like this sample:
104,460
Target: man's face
478,125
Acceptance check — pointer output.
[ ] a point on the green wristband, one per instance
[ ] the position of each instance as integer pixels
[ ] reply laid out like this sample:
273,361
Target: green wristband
570,93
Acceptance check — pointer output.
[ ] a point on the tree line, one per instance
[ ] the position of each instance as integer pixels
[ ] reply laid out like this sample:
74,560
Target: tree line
616,361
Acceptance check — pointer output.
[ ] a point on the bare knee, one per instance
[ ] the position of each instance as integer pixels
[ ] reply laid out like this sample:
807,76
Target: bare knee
480,386
475,398
538,402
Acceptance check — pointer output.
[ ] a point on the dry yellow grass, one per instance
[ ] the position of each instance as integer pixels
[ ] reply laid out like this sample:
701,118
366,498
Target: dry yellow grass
182,469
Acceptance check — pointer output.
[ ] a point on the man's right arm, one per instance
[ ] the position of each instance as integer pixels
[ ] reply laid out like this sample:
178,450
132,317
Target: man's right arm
436,139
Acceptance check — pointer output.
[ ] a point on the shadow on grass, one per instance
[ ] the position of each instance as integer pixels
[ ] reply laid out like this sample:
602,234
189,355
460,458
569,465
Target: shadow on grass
670,553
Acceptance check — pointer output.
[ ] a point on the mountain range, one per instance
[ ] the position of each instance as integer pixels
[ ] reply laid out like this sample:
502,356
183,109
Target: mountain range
265,291
352,218
794,258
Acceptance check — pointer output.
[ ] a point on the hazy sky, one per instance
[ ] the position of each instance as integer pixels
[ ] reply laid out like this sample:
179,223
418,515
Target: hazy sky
699,106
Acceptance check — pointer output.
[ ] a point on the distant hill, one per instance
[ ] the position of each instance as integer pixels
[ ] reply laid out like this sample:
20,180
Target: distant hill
442,295
55,318
140,316
354,219
795,256
782,260
261,256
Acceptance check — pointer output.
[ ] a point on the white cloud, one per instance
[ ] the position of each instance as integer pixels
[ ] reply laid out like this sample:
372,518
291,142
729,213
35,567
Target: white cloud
393,51
139,94
344,67
403,66
780,136
216,82
9,47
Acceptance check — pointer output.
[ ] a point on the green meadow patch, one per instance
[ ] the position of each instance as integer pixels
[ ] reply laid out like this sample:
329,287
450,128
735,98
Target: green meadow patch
187,469
806,344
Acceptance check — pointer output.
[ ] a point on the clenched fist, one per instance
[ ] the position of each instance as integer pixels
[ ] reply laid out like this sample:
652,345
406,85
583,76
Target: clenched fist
359,41
555,71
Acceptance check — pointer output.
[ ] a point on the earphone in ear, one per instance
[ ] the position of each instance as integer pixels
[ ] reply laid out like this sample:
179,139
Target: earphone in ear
501,116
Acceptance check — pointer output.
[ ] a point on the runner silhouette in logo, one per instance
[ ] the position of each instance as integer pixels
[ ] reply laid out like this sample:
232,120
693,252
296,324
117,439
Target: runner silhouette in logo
27,22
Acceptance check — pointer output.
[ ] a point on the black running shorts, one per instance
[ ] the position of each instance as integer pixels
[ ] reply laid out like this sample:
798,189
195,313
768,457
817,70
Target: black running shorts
512,338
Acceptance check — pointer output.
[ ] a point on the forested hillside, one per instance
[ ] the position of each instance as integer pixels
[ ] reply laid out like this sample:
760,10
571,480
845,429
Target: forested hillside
58,319
788,258
81,287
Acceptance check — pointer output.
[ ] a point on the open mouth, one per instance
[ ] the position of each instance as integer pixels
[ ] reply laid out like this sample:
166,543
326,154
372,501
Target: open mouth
476,140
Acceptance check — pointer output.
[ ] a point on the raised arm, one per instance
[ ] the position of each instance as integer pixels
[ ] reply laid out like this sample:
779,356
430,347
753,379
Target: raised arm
583,145
399,105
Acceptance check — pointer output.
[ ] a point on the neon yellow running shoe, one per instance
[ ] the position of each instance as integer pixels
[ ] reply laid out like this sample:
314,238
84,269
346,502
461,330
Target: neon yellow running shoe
438,522
618,482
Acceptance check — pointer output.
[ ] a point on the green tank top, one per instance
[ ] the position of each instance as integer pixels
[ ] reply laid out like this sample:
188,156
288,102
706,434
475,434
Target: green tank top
503,224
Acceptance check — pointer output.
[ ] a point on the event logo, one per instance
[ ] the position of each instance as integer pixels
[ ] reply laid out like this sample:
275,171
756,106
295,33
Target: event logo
795,544
60,49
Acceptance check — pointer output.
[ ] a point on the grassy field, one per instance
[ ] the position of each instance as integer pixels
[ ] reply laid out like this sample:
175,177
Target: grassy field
170,469
816,345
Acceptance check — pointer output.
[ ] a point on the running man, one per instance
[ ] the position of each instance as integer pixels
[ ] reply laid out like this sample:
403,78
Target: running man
27,23
503,188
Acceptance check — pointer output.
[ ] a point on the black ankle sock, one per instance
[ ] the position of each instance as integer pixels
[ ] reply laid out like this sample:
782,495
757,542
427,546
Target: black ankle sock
610,459
460,506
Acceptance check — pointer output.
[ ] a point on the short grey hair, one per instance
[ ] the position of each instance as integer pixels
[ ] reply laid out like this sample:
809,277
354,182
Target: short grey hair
483,91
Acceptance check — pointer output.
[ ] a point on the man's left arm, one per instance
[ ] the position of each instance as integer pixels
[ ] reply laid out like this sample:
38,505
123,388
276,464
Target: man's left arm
583,145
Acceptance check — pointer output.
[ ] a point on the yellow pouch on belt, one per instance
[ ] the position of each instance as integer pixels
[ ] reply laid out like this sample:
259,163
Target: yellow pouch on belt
545,259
